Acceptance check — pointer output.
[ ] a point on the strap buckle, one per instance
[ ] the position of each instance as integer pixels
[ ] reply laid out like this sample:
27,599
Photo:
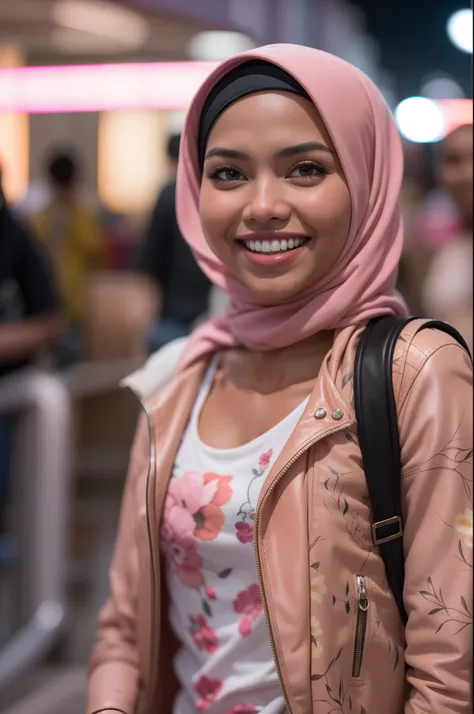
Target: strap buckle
379,538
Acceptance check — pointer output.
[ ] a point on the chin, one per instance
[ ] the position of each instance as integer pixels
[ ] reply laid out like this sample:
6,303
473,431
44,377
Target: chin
276,291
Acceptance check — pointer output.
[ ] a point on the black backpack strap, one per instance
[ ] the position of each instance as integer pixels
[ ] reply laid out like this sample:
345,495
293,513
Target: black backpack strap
377,430
377,427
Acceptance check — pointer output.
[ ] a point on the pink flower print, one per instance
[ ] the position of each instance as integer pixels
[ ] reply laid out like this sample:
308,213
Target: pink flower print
192,510
207,690
185,562
264,460
204,636
244,532
186,495
249,603
210,518
189,493
243,709
211,594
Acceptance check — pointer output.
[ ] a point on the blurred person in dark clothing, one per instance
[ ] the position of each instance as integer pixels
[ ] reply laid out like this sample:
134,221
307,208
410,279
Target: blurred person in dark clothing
72,233
28,305
448,289
165,257
29,320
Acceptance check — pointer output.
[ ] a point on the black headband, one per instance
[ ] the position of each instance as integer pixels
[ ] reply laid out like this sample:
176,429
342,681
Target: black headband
247,78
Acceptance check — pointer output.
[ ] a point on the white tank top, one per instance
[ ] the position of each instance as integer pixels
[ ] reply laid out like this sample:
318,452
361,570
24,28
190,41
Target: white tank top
225,664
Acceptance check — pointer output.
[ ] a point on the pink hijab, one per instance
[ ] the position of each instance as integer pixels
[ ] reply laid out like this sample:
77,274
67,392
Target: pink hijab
361,284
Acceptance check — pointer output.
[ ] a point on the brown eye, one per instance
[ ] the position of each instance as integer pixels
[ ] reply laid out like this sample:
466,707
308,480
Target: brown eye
226,174
308,170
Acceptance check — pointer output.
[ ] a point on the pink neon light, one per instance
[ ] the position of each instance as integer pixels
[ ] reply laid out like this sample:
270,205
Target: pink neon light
93,88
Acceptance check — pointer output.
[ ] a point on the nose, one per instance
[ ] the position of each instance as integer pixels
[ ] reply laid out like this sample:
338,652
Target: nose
267,205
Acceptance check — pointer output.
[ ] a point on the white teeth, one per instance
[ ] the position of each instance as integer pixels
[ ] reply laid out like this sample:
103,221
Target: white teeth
274,246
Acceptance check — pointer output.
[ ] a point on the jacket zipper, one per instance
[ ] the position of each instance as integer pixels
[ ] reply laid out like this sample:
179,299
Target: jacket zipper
361,626
150,486
271,488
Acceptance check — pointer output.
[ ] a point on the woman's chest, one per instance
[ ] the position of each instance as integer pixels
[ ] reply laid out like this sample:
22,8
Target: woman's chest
232,416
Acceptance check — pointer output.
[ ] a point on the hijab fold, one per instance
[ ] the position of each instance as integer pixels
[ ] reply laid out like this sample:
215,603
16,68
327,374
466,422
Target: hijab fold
362,282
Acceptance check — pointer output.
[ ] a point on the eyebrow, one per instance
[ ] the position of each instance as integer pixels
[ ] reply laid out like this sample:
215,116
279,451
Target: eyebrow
284,153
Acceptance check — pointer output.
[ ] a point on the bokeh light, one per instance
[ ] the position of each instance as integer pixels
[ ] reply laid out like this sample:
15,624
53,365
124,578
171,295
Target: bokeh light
420,120
459,30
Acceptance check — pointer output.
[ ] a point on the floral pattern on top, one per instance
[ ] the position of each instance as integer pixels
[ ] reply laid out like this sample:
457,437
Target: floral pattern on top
246,512
249,604
225,664
193,511
203,635
207,690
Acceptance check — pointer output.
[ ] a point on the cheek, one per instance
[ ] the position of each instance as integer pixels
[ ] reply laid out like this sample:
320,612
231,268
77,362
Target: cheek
218,215
329,211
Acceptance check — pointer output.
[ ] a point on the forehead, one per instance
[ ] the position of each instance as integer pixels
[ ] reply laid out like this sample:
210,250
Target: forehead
269,115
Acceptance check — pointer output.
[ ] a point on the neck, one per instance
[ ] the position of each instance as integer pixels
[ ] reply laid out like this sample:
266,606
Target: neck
276,369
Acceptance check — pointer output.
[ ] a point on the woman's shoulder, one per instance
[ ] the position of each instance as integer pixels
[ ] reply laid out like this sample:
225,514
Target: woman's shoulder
158,370
428,353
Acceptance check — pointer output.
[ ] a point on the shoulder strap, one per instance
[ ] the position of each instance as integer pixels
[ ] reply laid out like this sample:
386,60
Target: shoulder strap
377,426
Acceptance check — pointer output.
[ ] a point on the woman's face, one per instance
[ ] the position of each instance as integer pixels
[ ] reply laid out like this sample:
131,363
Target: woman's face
275,207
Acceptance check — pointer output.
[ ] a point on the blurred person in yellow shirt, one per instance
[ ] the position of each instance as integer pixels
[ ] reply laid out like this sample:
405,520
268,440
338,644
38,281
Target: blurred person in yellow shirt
71,231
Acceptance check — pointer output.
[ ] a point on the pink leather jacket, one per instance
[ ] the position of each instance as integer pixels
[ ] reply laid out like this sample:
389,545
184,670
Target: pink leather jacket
336,636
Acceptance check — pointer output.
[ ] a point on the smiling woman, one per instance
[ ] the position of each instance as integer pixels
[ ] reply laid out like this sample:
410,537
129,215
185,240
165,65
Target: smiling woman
245,540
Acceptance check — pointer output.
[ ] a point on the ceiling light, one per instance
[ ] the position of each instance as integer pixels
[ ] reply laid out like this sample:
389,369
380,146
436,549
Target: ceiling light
459,30
103,19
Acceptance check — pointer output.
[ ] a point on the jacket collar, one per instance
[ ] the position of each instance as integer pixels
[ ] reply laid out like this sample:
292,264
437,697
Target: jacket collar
160,390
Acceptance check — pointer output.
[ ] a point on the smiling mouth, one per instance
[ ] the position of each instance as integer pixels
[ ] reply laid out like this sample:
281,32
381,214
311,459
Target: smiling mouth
273,247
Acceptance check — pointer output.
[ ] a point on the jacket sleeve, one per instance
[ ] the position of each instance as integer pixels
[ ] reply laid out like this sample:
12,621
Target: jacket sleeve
114,678
436,437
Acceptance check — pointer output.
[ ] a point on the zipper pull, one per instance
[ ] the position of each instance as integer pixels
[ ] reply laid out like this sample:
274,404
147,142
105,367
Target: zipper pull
362,597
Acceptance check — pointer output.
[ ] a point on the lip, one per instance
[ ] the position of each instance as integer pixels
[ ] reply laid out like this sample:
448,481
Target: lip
269,259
